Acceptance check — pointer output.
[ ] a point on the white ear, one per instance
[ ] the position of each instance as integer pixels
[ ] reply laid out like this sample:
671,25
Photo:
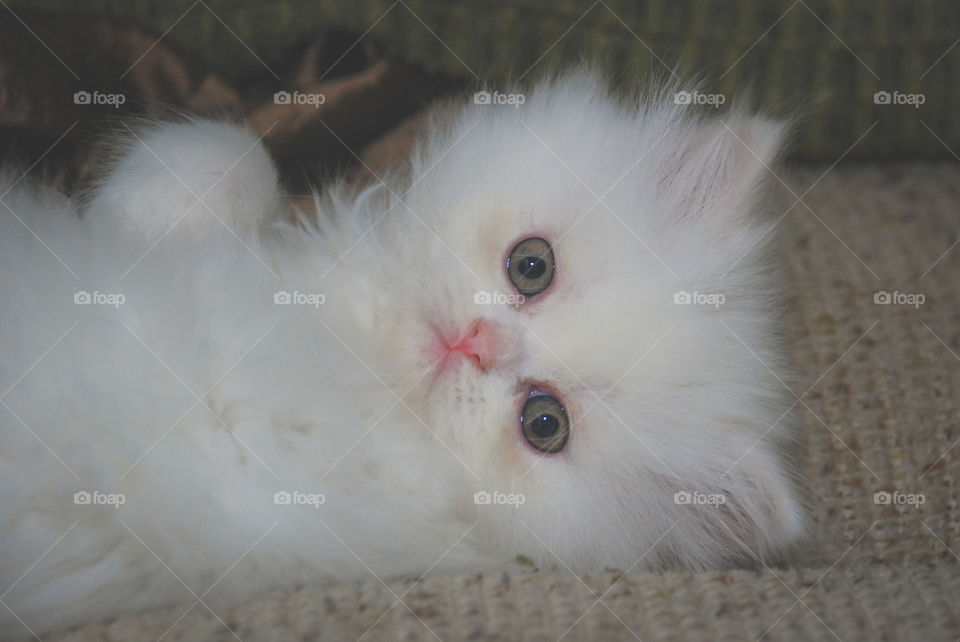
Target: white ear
715,169
755,513
763,511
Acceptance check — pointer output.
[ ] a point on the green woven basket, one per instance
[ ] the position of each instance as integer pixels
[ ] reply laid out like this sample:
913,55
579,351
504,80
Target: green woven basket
826,59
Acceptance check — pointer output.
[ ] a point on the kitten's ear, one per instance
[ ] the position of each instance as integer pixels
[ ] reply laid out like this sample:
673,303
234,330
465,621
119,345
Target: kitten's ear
757,512
715,169
763,510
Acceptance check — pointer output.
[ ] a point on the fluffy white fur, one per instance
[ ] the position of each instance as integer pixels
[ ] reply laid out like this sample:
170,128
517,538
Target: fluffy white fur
340,399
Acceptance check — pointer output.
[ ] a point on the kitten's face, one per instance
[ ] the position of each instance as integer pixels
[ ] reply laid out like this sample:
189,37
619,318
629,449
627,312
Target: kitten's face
540,341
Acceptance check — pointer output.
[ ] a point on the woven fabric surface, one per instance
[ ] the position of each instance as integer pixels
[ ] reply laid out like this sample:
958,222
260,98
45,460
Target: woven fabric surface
882,603
825,59
879,413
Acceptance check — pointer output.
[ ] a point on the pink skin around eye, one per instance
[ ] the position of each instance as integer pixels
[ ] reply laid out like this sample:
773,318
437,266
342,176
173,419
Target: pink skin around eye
546,235
533,389
479,344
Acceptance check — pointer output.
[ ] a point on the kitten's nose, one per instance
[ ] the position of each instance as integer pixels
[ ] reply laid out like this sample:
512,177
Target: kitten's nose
479,344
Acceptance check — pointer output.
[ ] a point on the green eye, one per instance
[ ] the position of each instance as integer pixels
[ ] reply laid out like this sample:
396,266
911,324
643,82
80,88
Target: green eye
545,424
530,266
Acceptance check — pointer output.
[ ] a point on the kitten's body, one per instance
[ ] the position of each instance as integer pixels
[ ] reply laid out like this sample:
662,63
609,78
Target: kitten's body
345,398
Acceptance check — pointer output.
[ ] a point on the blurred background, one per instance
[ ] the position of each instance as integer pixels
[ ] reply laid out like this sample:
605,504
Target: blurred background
871,79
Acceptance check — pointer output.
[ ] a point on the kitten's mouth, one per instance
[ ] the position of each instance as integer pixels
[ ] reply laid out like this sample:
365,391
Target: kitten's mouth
448,350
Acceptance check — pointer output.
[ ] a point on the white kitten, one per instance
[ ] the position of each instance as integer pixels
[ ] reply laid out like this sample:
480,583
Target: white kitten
275,404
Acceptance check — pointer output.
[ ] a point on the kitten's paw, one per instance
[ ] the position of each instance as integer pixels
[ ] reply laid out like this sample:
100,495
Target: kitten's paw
189,177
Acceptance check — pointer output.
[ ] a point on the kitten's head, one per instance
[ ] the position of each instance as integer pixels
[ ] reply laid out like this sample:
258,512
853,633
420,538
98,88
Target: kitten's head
582,318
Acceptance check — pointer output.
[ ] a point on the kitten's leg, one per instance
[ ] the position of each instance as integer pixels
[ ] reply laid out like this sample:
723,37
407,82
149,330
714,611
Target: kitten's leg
189,178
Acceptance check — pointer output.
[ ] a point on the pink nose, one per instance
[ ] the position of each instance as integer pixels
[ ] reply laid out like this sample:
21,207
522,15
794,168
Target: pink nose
479,344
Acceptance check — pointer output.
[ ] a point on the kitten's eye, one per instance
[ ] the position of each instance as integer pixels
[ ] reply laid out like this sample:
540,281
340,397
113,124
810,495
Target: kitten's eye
530,266
544,423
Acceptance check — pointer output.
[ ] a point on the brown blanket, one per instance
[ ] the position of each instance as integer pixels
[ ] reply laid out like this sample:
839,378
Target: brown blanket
66,82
